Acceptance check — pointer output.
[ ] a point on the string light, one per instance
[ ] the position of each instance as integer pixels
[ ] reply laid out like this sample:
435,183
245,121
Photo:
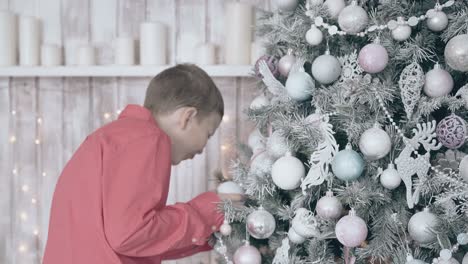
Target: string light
107,115
224,147
22,248
24,216
39,120
226,118
33,201
37,141
13,112
25,188
36,232
15,171
12,139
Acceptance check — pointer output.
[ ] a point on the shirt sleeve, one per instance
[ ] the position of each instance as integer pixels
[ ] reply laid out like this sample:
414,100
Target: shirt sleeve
136,220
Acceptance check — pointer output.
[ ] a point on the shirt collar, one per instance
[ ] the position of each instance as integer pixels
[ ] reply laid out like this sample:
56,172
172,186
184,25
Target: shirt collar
136,111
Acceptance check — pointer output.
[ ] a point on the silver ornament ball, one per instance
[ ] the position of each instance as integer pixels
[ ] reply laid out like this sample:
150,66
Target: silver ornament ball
260,223
247,254
314,36
287,172
456,53
353,18
326,69
390,179
334,7
438,82
375,143
420,226
401,32
329,207
437,21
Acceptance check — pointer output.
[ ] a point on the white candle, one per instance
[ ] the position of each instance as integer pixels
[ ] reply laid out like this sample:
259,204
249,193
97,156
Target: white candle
153,43
8,35
206,54
86,55
239,18
256,52
51,55
29,41
124,51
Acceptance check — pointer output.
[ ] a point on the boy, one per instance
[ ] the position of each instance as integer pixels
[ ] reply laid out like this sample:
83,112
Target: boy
109,204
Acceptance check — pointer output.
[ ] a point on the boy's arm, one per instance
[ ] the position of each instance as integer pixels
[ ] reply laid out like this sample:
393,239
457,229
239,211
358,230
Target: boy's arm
136,220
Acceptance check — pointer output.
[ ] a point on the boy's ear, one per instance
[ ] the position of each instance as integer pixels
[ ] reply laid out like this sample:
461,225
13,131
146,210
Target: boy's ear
188,114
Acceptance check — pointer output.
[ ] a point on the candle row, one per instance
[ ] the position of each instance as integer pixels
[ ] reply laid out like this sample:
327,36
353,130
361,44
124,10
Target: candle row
21,43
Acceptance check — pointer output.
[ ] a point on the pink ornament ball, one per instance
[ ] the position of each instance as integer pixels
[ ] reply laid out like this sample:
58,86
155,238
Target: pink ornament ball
272,63
373,58
451,131
285,64
351,230
247,254
329,207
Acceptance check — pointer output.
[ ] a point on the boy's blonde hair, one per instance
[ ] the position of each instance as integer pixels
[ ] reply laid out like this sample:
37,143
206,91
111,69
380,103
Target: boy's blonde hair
183,85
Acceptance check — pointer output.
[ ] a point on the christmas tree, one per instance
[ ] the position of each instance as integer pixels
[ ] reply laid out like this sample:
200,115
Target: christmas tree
359,155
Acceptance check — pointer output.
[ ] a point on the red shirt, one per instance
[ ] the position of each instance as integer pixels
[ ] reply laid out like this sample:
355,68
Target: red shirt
109,204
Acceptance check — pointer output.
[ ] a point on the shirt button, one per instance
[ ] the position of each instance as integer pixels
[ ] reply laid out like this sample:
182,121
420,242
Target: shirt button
213,228
194,240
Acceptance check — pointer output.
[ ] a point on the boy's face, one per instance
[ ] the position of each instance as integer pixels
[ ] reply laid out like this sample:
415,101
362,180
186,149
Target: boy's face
192,134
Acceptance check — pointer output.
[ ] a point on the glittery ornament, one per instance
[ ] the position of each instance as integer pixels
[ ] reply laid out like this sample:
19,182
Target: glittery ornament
456,53
247,254
334,7
286,5
375,143
347,165
436,20
260,223
408,166
438,82
282,253
326,68
285,63
259,102
351,230
353,18
401,31
300,86
277,146
272,63
329,207
373,58
463,168
411,81
314,36
421,226
350,68
287,172
451,131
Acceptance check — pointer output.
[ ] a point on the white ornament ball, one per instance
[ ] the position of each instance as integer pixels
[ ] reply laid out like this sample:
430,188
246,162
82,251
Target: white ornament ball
261,164
463,168
256,141
353,19
438,82
351,230
229,187
287,172
390,179
326,69
247,254
329,207
259,102
465,259
260,223
286,5
347,165
456,53
300,86
277,145
450,261
225,229
420,225
373,58
411,260
437,21
314,36
294,237
335,7
375,143
401,32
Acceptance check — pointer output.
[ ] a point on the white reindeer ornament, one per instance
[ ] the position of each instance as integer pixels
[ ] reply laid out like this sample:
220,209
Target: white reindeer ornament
407,166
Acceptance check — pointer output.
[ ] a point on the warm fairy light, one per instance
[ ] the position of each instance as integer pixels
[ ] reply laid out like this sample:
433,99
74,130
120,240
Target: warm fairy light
25,188
107,115
13,112
33,200
22,248
13,139
15,171
36,232
37,141
226,118
44,174
39,120
24,216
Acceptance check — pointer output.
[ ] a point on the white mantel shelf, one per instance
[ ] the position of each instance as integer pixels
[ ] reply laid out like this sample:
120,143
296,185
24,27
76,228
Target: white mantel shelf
116,71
